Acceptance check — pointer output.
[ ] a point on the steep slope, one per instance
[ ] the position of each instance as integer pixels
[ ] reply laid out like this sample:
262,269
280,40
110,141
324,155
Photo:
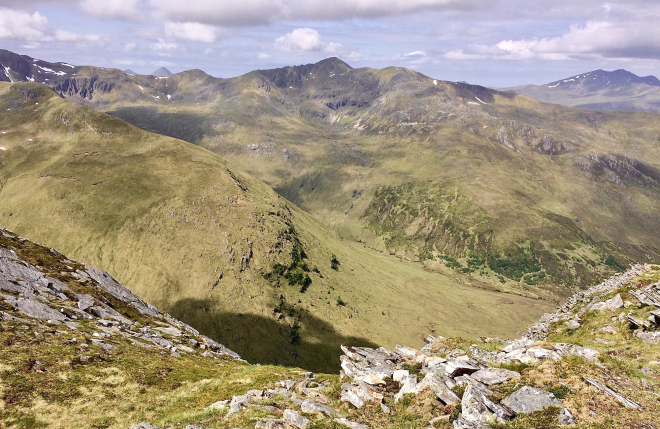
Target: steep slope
485,185
80,350
214,247
599,90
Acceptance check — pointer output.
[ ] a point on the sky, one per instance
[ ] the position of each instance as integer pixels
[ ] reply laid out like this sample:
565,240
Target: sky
496,43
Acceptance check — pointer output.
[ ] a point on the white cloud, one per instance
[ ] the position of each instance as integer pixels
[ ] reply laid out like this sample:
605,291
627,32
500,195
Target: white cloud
308,40
112,9
264,56
415,54
595,39
259,12
34,28
165,46
191,31
300,40
130,47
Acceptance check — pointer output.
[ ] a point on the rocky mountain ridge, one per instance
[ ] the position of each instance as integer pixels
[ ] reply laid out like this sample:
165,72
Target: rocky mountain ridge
534,381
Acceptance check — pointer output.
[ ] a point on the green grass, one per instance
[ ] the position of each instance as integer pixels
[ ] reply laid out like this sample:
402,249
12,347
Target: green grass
194,235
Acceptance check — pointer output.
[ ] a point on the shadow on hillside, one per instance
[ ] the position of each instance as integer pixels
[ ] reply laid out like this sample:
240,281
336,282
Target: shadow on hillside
184,126
267,341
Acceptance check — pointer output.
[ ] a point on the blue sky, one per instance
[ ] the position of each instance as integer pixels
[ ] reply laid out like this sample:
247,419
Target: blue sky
495,43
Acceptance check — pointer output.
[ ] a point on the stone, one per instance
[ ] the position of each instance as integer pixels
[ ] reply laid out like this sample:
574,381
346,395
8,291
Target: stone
271,424
309,406
492,376
478,408
219,404
608,329
572,324
350,424
85,301
194,427
606,342
461,423
35,309
384,408
456,367
350,396
408,352
409,386
374,380
170,330
144,425
439,388
528,399
107,283
296,419
109,313
611,304
400,375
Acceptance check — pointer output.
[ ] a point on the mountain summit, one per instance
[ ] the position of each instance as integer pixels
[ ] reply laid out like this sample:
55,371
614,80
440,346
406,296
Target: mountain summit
161,72
599,90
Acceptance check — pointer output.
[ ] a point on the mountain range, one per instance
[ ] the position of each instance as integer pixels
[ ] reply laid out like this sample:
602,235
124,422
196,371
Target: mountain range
473,186
599,90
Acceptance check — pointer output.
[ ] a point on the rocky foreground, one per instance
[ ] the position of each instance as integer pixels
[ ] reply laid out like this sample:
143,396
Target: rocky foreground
77,343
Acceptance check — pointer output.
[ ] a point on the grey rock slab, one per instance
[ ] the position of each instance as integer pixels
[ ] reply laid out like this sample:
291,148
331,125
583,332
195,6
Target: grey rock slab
478,408
528,399
461,423
112,286
457,367
219,404
296,419
350,424
611,304
349,396
409,385
492,376
109,313
35,309
439,387
170,330
309,406
144,425
85,302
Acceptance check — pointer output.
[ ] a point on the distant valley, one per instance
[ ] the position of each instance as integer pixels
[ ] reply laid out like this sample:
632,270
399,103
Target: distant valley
485,186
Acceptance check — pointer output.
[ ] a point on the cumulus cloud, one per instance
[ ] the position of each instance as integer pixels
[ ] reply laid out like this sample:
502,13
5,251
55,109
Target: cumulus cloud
595,39
34,28
300,40
259,12
308,40
165,46
192,31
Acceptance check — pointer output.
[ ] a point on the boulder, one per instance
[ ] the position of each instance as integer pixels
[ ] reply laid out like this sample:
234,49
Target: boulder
611,304
295,419
492,376
309,406
409,386
456,367
400,375
461,423
35,309
528,399
478,408
439,388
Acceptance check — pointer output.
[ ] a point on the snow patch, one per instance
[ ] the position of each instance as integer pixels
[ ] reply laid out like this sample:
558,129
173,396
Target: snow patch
67,65
478,99
47,70
7,70
3,148
30,79
169,97
435,82
472,102
162,77
555,86
140,87
569,80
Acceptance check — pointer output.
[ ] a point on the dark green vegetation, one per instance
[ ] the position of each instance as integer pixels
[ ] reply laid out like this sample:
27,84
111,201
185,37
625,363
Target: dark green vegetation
195,236
514,193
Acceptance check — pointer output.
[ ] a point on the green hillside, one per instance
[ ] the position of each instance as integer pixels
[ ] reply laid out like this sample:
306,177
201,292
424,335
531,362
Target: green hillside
507,190
216,247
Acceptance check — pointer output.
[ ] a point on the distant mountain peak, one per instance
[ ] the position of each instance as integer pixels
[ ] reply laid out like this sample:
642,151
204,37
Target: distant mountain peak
129,71
161,72
606,78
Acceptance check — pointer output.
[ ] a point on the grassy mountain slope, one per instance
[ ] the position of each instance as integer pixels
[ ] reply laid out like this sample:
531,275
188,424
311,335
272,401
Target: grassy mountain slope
215,247
599,90
473,182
